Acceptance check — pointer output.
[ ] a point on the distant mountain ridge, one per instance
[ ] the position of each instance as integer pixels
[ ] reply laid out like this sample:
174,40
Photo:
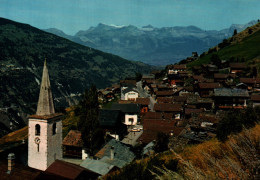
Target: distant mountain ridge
156,46
72,68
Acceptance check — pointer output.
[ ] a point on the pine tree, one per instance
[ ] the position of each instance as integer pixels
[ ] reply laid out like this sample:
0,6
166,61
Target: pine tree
88,110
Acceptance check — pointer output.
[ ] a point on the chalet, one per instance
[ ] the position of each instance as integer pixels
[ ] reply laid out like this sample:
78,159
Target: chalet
154,126
252,83
73,144
189,112
180,100
129,94
207,89
130,112
144,103
224,77
236,68
175,80
255,99
196,102
227,98
147,77
176,109
183,75
127,83
111,122
176,68
116,89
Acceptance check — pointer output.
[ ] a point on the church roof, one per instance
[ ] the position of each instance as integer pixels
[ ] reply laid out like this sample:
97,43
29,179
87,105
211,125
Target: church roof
45,102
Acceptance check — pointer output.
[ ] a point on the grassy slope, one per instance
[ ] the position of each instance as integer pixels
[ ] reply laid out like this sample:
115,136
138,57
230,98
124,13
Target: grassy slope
248,48
236,158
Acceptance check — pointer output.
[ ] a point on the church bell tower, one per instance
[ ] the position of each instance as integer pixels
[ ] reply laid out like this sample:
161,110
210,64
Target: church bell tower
45,129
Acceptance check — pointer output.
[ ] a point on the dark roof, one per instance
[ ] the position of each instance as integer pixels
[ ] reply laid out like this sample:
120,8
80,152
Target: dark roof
165,99
129,89
228,92
126,108
250,80
255,97
188,111
128,82
143,101
164,93
69,171
148,76
153,115
165,107
122,153
209,85
179,98
73,138
109,117
19,171
237,65
153,126
223,76
179,67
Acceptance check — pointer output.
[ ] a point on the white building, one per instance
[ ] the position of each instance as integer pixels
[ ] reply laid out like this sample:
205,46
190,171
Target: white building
129,94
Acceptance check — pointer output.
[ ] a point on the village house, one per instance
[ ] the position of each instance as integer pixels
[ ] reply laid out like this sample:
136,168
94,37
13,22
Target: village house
130,112
176,68
176,109
255,99
144,103
237,68
224,78
129,94
154,126
73,144
252,83
207,89
227,98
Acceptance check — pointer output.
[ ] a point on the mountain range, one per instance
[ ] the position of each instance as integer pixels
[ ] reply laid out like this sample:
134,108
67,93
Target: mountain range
151,45
72,68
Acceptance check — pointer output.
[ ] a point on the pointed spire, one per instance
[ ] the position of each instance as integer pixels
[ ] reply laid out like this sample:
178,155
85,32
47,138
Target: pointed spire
45,102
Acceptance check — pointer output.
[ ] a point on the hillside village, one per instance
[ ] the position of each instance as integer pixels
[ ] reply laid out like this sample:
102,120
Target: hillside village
140,117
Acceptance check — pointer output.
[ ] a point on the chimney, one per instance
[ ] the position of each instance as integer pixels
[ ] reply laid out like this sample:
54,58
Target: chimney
10,158
112,153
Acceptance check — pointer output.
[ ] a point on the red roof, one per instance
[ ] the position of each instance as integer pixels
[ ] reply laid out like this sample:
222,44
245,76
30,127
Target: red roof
73,138
153,126
143,101
209,85
68,170
165,107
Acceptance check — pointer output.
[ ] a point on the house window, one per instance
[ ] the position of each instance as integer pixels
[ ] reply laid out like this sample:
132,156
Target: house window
54,129
37,130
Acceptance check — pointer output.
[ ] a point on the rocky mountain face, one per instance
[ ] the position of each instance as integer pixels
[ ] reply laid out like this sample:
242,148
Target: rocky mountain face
72,68
156,46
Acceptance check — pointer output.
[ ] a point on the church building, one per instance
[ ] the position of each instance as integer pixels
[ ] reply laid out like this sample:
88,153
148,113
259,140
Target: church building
45,129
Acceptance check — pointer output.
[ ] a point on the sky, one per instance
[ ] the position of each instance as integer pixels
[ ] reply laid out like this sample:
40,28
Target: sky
70,16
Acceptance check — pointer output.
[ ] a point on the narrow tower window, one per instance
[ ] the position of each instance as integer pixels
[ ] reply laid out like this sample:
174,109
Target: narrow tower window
37,130
54,129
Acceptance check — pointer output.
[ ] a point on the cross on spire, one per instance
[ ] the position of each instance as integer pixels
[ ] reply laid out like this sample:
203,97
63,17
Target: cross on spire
45,103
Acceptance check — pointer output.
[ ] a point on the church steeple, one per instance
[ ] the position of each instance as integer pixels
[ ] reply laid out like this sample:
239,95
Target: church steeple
45,103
